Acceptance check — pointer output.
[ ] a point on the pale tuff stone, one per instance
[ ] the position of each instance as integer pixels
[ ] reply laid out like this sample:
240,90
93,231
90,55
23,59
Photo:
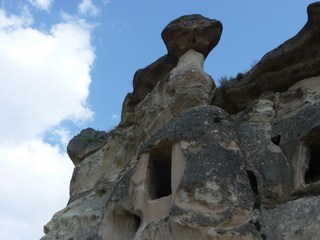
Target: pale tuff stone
186,87
189,161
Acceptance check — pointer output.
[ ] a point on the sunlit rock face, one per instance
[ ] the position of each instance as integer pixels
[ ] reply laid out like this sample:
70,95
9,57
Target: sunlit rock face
193,161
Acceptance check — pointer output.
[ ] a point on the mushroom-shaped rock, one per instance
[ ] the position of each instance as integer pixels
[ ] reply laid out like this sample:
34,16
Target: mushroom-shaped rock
191,32
85,143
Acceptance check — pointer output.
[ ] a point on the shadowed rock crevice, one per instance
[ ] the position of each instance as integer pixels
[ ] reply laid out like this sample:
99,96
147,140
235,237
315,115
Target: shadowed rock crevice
313,173
253,182
276,140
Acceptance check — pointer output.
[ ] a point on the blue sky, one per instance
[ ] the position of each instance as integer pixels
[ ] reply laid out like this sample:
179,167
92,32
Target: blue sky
67,65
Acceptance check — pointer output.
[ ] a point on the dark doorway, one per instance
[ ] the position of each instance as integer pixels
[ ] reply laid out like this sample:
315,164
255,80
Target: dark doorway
159,181
253,182
137,222
313,173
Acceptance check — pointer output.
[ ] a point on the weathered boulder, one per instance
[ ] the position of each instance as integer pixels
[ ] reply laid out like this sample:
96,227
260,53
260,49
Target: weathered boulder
92,182
296,59
85,143
103,168
191,32
278,223
79,220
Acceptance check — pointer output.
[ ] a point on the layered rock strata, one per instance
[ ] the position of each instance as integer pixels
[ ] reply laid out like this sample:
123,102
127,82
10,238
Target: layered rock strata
192,161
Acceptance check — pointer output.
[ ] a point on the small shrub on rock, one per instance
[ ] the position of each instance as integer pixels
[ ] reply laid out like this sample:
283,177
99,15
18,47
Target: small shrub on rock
263,236
240,76
223,80
217,119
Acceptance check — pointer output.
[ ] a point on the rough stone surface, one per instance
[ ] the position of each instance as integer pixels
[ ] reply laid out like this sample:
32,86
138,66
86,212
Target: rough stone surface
189,161
79,220
145,80
187,86
191,32
85,143
278,223
102,169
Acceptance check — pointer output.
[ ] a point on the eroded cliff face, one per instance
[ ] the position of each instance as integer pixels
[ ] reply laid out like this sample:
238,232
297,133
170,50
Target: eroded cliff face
192,161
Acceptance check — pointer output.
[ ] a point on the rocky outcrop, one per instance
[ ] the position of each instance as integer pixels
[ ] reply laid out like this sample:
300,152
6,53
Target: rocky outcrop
187,32
191,32
145,80
190,161
293,61
85,143
187,86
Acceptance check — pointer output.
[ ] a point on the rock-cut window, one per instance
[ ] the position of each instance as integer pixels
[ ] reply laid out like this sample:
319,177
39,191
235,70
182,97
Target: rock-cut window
159,176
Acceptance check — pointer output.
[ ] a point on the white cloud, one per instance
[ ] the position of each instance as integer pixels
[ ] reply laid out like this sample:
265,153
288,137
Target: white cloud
45,78
42,4
115,116
34,180
63,135
8,23
87,7
6,226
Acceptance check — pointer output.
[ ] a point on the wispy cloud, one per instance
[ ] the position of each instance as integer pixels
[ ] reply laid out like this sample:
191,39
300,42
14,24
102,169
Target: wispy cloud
86,7
41,4
119,25
63,136
11,22
106,1
115,116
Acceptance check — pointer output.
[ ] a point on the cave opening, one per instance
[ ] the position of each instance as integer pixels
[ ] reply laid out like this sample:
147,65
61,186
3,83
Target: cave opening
253,182
137,222
159,176
276,140
313,173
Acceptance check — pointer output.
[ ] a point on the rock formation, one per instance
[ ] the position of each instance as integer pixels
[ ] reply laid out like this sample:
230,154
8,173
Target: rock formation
192,161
